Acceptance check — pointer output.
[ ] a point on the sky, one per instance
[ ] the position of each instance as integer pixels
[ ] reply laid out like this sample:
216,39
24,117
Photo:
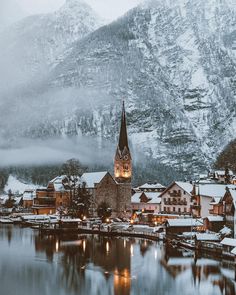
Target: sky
108,9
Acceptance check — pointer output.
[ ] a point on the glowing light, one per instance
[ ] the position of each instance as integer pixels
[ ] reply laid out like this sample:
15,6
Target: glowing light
84,245
131,250
131,221
124,243
155,254
84,218
107,220
107,247
57,246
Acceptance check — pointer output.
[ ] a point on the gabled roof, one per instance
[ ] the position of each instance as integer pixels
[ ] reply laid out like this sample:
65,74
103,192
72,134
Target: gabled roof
93,177
186,186
229,242
28,195
152,196
58,182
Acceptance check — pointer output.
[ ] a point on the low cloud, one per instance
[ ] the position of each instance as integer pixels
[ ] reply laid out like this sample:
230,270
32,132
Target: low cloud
37,152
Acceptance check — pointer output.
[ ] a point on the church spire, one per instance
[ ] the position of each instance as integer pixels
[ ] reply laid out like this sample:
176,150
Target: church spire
123,139
123,160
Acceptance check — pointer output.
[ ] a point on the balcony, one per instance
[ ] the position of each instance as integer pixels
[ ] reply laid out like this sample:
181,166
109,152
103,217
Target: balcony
175,194
195,207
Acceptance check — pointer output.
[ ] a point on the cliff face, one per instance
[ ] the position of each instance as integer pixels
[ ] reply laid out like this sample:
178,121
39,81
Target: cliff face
174,64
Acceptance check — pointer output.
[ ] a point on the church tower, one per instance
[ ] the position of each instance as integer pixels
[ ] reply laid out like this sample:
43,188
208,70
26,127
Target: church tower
123,160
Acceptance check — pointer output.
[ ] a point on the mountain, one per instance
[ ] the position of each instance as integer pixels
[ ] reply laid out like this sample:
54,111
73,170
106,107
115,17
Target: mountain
174,64
29,47
10,12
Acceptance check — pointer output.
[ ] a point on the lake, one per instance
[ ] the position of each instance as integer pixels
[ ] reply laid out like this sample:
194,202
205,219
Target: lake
94,265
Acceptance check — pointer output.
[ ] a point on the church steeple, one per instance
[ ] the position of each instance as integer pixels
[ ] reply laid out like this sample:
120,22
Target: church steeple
123,160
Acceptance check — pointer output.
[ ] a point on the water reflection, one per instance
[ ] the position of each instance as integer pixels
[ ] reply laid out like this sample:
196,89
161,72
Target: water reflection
88,265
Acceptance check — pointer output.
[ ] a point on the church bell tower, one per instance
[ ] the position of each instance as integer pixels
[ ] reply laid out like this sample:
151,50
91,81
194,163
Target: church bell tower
123,160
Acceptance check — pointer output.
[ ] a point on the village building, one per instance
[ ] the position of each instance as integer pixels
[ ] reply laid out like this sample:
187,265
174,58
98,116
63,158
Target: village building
214,223
228,245
28,198
229,209
179,226
146,202
176,199
54,196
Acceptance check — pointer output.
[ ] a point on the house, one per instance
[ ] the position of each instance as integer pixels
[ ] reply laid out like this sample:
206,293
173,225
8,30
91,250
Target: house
214,223
228,245
178,226
222,176
202,240
147,202
55,195
176,199
229,209
28,198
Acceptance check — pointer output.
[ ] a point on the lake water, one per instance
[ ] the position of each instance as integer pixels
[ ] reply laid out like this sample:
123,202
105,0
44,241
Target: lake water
86,265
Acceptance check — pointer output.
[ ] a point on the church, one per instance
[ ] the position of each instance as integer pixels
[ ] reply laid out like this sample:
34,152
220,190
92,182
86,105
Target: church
103,187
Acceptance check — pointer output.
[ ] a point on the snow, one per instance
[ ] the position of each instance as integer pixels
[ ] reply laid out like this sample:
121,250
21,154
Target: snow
234,251
152,196
29,195
213,190
229,242
93,178
186,186
184,222
58,183
215,218
152,186
225,231
136,198
207,237
17,186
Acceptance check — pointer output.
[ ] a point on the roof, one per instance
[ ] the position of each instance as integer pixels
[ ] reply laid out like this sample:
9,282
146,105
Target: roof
207,237
234,251
58,182
153,196
229,242
28,195
214,190
93,177
215,218
187,186
184,222
222,172
123,138
151,186
233,194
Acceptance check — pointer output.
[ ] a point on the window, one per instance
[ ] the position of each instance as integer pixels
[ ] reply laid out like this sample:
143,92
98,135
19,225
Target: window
173,209
164,208
179,210
185,209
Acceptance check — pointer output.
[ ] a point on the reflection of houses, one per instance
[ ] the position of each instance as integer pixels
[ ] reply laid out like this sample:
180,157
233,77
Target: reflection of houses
146,202
56,194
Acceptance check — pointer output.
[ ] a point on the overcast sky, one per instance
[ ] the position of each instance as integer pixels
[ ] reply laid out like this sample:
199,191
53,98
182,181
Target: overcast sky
109,9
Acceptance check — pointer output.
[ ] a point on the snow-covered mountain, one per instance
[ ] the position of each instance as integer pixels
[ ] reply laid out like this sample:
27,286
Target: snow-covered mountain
30,46
173,62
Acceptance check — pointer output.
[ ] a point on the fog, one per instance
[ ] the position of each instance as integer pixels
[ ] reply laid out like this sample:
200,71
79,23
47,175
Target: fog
38,152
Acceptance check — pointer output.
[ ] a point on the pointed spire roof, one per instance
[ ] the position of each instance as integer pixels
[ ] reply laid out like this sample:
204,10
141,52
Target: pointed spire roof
123,139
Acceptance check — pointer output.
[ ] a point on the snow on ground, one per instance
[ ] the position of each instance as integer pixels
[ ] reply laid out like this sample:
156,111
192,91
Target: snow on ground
17,186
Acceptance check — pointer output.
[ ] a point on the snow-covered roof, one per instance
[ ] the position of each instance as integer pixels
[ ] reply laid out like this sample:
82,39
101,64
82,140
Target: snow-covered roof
207,237
215,218
187,186
234,251
184,222
225,231
28,195
58,183
214,190
152,196
233,194
152,186
229,242
222,172
136,198
93,177
216,200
